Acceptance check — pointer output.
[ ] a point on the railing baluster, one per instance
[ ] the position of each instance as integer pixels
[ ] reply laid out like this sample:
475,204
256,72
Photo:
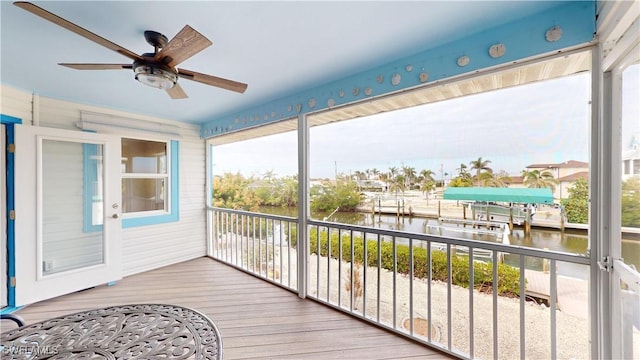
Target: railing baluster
494,292
214,233
378,288
242,220
245,242
351,298
329,271
364,274
260,246
395,270
220,230
410,286
522,303
340,267
449,275
227,233
471,288
554,289
253,241
319,240
273,250
237,228
280,237
429,275
289,253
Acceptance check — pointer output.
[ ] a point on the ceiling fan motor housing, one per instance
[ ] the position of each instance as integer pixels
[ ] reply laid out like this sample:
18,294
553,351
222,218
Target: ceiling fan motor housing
155,39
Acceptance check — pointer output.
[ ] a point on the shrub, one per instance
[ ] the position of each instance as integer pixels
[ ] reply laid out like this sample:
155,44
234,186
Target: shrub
508,276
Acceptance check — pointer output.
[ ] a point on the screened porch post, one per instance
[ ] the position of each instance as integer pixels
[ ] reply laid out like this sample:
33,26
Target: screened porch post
303,204
600,167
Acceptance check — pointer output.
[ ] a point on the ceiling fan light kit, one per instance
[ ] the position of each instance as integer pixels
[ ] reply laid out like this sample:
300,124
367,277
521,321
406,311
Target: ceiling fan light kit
155,75
157,69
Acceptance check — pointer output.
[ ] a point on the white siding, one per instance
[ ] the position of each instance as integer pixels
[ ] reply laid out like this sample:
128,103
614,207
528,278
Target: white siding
145,247
15,103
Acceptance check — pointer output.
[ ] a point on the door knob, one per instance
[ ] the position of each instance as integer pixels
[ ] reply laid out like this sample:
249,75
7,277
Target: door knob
115,216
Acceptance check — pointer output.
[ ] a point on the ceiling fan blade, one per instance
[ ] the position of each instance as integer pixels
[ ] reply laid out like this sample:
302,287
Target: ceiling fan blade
176,92
98,66
213,80
184,45
36,10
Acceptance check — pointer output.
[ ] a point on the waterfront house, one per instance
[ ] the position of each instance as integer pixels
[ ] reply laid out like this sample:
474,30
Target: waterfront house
106,181
565,174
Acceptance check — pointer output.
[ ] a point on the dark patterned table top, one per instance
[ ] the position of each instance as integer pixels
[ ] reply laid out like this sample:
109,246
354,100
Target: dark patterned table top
140,331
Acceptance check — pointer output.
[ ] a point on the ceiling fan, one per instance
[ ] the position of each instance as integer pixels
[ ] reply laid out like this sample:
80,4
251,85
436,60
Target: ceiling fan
157,69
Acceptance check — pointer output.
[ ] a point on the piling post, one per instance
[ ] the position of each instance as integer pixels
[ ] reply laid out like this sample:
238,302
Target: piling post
487,215
439,210
562,219
464,213
473,216
527,221
511,217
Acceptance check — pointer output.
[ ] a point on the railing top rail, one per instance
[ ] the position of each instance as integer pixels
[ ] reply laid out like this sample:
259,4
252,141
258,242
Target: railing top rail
251,213
511,249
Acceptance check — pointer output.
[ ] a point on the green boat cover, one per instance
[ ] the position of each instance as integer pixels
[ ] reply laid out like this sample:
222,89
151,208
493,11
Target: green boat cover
510,195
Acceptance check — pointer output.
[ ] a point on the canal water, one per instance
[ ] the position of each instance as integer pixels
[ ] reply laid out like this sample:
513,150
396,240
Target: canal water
574,242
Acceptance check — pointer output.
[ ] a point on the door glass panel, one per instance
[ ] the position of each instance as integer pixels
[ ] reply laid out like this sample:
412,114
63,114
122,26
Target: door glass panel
630,201
630,209
71,173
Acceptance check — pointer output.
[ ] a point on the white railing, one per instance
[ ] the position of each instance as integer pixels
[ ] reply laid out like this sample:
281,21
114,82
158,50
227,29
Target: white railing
435,290
260,244
629,292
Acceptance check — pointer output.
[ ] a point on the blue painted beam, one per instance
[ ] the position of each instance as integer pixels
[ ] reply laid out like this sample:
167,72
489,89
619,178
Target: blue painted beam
9,122
522,39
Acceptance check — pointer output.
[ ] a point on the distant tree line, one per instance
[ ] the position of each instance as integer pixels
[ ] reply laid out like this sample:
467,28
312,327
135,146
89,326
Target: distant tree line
249,193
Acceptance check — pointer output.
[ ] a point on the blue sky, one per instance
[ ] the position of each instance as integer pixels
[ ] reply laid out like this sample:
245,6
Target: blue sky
543,122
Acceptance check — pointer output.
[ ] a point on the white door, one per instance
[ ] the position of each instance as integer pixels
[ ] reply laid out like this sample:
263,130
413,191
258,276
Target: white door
625,244
68,229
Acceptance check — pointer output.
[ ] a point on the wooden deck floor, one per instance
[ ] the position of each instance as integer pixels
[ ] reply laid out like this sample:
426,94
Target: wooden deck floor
256,319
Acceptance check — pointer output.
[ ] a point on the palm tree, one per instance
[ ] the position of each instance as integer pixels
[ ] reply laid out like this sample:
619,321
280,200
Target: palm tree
269,175
427,174
393,171
375,172
479,166
539,179
462,171
360,175
409,173
490,179
397,184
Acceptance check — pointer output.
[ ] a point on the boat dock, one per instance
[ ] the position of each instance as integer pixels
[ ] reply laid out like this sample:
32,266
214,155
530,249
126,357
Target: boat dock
572,295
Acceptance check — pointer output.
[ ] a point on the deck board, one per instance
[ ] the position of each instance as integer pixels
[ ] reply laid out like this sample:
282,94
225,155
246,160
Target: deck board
257,320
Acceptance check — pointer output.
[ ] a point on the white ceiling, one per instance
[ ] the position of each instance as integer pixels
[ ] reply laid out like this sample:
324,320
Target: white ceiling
277,48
